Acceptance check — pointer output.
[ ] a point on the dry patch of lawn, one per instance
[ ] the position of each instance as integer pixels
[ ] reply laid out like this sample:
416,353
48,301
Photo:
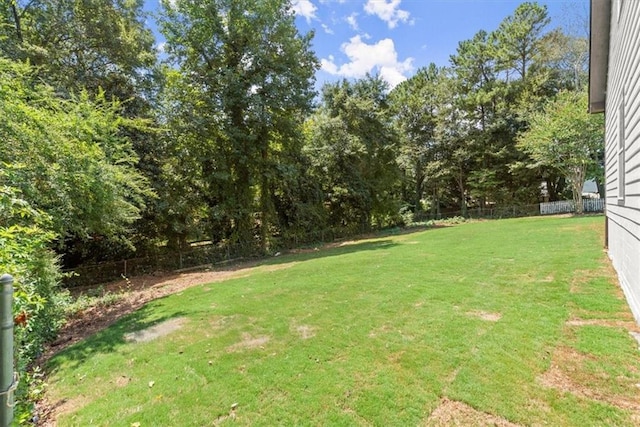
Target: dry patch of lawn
453,413
629,325
485,315
155,331
582,278
305,331
249,342
135,292
568,373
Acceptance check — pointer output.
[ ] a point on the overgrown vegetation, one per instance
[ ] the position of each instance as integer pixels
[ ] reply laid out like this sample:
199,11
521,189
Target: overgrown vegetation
24,253
66,175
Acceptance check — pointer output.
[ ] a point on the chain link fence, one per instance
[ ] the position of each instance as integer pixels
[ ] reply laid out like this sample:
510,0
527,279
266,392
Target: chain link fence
203,254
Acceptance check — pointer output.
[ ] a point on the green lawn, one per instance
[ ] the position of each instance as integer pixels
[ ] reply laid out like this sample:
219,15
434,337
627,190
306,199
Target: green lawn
511,321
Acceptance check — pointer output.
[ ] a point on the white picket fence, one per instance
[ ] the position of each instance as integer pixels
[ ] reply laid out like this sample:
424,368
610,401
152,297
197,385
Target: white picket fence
567,206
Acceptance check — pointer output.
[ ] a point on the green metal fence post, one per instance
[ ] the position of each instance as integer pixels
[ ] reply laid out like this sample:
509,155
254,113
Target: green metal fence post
7,378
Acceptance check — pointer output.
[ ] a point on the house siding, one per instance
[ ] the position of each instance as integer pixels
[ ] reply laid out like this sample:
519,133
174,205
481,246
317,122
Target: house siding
623,131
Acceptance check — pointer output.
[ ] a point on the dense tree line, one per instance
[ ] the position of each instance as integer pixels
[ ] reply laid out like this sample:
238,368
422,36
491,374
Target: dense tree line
225,139
108,151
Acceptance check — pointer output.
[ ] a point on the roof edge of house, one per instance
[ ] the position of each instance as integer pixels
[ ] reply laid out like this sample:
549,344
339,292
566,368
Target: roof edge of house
600,27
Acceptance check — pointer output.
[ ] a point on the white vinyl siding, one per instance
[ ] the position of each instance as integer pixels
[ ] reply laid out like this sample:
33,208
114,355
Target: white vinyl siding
619,9
622,150
621,154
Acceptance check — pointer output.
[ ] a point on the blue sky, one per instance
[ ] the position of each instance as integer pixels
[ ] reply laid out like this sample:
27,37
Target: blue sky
396,37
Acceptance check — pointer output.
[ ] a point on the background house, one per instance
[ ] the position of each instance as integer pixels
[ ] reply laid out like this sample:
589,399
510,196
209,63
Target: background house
614,88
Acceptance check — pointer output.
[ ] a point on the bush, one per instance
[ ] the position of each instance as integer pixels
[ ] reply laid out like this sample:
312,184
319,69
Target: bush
38,306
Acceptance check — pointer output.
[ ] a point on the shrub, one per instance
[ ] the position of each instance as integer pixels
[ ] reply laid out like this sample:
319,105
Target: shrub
24,254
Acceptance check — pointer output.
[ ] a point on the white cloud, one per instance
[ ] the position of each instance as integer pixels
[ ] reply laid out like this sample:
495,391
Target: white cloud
366,58
327,29
329,65
169,3
160,47
304,8
351,20
389,11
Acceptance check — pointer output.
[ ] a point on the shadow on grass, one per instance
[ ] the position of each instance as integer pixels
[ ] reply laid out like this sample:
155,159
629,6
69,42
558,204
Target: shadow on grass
110,339
105,331
307,252
329,250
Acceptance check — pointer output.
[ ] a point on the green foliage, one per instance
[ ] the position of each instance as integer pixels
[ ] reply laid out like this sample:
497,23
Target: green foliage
519,36
415,104
353,151
236,103
25,254
67,173
80,46
566,137
101,50
460,125
568,58
67,157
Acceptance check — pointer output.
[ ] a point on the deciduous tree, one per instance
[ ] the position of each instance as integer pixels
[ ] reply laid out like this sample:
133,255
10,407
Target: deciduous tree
566,137
354,149
92,45
68,158
415,104
249,77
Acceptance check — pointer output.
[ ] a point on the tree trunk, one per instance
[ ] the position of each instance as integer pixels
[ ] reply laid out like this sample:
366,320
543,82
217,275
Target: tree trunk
463,199
417,197
243,209
435,204
577,182
16,18
265,199
601,188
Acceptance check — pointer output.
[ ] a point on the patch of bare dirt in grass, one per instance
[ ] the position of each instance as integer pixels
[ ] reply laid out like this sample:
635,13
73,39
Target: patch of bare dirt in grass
220,322
305,331
384,329
604,318
333,245
134,293
121,381
155,331
629,325
581,278
277,267
454,413
485,315
567,374
395,357
248,342
225,417
61,407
